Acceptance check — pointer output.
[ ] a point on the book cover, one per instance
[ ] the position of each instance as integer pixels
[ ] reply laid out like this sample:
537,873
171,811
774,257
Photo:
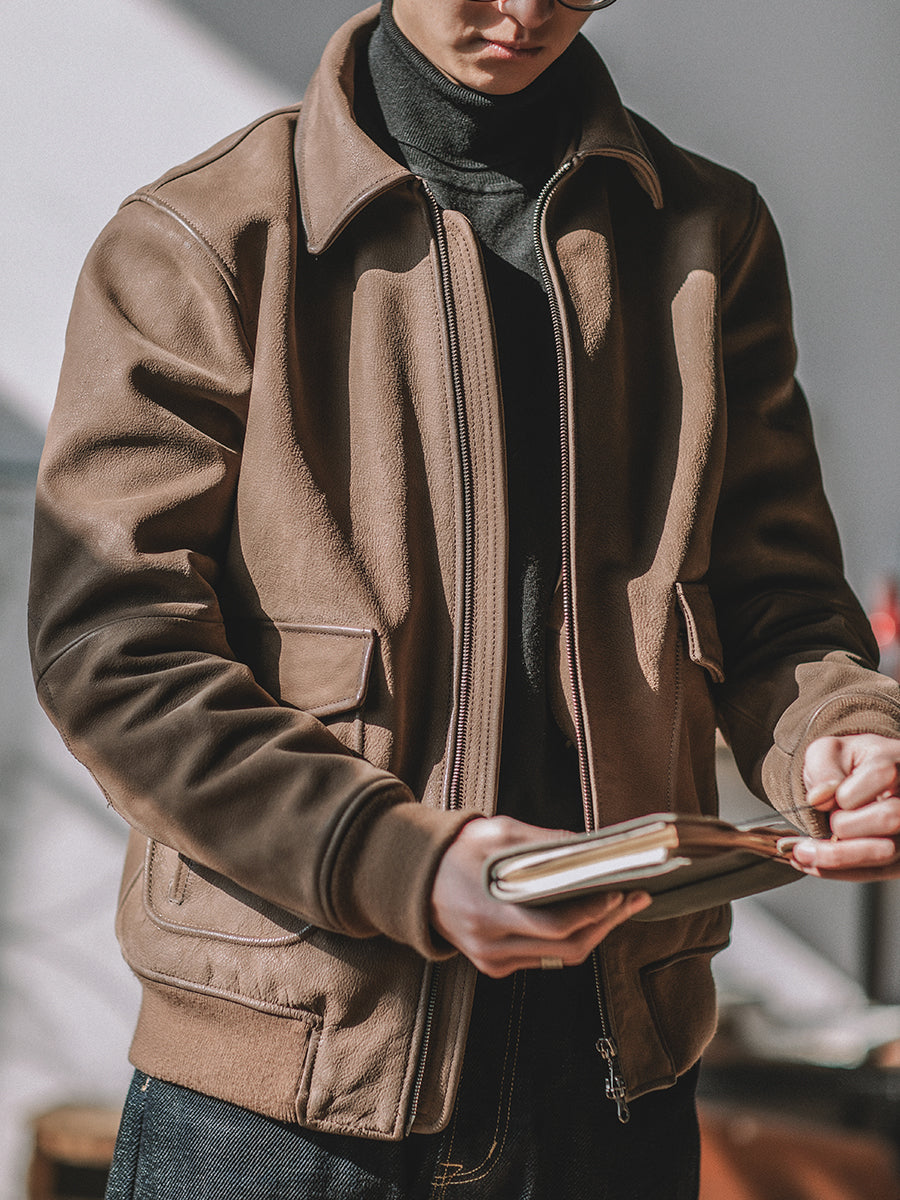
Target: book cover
685,862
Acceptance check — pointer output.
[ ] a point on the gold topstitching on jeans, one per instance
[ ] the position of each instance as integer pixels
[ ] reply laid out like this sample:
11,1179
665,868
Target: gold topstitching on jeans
455,1173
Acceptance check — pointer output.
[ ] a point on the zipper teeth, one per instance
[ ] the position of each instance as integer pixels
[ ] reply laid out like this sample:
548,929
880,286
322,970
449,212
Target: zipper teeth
566,539
423,1049
606,1046
465,665
465,656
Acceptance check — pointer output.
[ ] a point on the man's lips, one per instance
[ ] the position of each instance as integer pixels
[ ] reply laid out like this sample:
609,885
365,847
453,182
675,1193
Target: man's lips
512,50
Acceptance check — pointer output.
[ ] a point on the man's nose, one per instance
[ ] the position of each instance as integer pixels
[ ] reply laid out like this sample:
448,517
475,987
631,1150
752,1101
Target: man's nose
530,14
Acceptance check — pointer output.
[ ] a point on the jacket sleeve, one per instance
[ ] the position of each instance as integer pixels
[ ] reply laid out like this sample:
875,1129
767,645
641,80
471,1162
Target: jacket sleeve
800,658
130,653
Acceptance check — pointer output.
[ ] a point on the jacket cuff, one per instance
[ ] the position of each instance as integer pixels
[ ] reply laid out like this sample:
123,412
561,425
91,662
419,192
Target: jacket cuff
839,716
383,873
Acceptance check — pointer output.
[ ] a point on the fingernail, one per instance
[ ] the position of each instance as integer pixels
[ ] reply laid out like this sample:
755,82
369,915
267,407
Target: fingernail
805,852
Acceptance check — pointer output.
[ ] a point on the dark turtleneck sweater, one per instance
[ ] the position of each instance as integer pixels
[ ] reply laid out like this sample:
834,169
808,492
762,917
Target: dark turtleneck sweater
488,157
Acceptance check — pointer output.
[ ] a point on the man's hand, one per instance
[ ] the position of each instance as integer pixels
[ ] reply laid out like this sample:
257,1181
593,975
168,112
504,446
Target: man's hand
500,938
856,779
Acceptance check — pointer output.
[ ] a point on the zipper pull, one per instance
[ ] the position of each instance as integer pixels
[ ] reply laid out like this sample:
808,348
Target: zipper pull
615,1084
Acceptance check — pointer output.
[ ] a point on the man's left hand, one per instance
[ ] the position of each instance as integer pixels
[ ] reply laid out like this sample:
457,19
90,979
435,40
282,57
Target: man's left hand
856,780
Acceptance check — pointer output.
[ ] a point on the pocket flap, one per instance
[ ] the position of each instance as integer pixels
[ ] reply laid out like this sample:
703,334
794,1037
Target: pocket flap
321,669
704,644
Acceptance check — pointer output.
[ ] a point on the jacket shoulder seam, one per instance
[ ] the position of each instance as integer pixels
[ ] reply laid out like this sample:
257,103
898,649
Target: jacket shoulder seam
219,263
731,258
150,193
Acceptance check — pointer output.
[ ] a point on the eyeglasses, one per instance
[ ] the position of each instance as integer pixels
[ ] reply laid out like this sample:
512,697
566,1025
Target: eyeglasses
578,5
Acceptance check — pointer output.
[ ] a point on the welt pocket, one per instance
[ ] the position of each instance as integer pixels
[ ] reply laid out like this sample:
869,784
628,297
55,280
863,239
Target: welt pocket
322,669
699,616
182,897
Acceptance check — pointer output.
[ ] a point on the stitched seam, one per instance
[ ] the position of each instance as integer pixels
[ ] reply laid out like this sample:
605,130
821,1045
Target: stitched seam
492,1159
227,276
730,260
97,629
143,1139
163,206
439,320
454,1173
452,443
475,601
469,279
352,700
677,717
439,1183
265,1006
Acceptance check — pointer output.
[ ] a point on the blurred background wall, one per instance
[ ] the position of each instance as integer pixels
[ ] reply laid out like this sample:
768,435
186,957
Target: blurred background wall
97,98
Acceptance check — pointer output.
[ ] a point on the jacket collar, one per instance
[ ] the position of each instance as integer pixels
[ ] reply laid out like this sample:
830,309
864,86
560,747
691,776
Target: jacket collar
340,169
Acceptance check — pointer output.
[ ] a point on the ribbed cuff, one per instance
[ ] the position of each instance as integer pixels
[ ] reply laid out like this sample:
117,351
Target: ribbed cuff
839,716
383,874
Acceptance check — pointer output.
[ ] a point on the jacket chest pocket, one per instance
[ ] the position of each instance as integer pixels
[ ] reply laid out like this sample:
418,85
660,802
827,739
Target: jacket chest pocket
324,670
699,667
698,615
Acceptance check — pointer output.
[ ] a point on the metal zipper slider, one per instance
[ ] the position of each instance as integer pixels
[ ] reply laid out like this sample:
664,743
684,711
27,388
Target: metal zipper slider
615,1084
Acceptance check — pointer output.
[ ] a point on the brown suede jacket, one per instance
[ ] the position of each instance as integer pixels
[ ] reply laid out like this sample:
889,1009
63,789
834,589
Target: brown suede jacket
269,584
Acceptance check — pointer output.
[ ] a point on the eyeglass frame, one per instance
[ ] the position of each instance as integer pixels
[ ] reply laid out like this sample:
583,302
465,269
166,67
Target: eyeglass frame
587,6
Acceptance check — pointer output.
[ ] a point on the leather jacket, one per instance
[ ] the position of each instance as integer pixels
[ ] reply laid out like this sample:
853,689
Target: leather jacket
269,584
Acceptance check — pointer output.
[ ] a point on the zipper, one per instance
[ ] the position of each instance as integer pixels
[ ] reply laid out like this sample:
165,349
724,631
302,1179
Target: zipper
433,971
606,1044
465,458
468,586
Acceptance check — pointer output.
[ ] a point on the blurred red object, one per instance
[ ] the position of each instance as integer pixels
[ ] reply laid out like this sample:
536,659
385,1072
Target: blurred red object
884,617
755,1156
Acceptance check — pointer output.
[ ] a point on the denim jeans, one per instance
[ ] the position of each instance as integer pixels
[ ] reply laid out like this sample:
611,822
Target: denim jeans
531,1123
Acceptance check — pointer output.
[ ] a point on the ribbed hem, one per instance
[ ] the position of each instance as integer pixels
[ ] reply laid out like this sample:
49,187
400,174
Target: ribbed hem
227,1050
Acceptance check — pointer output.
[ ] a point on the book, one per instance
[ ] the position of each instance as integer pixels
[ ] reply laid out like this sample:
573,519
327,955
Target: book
685,862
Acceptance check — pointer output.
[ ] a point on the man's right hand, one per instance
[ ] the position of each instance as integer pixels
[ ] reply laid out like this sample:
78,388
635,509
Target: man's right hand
500,938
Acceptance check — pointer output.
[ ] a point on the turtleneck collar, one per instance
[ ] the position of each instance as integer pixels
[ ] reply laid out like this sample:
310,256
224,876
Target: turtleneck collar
427,113
342,163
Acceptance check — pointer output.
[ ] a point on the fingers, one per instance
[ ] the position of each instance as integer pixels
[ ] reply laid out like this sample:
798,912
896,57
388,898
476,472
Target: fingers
864,844
535,935
851,855
880,819
823,772
873,778
498,937
855,779
852,771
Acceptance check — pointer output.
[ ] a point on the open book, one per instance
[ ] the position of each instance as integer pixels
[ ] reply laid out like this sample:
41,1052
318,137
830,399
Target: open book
685,862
